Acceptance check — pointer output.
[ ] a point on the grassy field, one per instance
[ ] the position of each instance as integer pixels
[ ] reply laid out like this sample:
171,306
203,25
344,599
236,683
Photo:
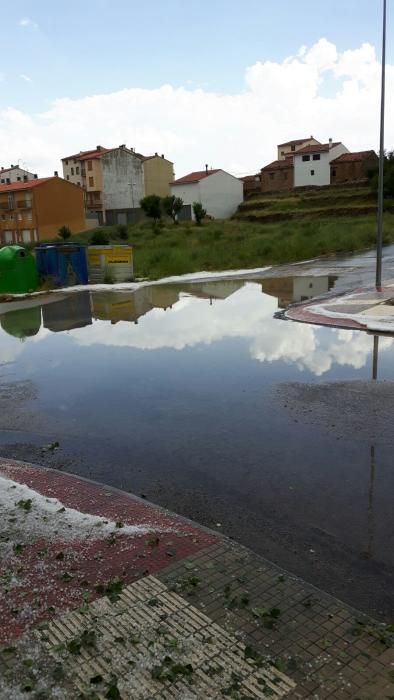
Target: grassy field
232,244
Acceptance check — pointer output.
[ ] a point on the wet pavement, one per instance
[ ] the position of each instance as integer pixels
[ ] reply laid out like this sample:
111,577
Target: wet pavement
193,395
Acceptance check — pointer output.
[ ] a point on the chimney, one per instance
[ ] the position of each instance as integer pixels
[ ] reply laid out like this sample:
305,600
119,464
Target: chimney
122,145
206,167
98,148
162,155
35,176
56,174
2,167
330,143
156,154
25,178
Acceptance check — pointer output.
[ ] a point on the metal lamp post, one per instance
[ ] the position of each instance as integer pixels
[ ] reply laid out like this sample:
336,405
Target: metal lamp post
381,158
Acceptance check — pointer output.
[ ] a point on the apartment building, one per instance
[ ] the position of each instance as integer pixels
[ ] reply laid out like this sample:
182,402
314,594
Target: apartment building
111,178
34,210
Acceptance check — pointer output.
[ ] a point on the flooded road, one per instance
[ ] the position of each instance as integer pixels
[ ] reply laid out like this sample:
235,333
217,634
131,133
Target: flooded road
192,394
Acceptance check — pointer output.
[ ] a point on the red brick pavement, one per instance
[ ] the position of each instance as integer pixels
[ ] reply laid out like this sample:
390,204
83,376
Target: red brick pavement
55,576
305,312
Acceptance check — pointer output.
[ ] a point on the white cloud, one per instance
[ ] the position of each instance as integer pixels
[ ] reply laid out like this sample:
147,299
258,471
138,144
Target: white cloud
320,91
26,78
27,22
247,313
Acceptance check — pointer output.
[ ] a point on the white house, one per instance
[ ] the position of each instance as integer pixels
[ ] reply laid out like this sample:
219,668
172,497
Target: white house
312,163
15,174
219,192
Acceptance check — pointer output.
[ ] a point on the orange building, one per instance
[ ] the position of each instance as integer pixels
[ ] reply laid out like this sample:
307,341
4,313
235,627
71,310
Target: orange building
34,210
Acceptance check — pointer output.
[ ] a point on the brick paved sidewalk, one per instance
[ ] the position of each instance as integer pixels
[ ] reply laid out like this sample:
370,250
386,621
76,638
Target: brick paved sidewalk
170,611
360,309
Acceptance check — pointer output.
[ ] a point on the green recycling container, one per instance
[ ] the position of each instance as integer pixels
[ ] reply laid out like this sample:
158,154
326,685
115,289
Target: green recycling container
18,272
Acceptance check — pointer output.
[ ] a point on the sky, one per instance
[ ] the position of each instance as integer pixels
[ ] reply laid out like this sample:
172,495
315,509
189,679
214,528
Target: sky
219,82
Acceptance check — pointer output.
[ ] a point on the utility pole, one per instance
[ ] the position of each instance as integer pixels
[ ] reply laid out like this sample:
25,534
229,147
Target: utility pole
381,158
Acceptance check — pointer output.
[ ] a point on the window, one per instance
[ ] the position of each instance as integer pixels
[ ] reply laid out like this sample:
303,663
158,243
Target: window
29,216
90,165
72,171
333,172
306,158
79,184
282,153
3,217
10,201
77,170
19,216
28,200
293,148
68,177
316,156
312,172
3,181
74,161
91,182
272,175
66,162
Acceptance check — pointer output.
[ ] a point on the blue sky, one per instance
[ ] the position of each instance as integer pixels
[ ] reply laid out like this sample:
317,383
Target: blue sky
77,73
76,48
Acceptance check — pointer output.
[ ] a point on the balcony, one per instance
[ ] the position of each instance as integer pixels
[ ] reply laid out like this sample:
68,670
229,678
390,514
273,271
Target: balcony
24,204
4,205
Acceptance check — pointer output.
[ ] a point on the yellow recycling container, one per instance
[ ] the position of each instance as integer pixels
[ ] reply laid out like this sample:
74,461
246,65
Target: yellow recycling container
110,263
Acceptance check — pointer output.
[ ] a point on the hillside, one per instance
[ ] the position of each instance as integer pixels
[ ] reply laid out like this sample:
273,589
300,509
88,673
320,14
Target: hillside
310,204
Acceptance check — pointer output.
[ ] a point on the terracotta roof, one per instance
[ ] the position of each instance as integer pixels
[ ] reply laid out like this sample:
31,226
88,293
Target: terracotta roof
354,157
93,154
194,177
295,142
278,165
321,148
249,178
16,186
82,155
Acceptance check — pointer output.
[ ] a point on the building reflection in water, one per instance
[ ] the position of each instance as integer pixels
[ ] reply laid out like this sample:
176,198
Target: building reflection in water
292,289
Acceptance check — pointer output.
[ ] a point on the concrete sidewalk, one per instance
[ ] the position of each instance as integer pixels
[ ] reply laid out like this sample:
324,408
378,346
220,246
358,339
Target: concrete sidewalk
103,595
361,309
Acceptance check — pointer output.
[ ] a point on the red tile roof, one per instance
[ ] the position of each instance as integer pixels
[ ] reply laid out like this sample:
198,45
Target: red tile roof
16,186
279,165
82,155
354,157
295,142
321,148
249,178
194,177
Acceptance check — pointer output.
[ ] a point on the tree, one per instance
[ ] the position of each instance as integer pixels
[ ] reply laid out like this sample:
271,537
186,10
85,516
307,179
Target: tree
151,205
199,212
172,206
388,182
64,233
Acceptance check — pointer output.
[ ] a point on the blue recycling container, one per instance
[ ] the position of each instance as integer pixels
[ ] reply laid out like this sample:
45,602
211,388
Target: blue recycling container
65,264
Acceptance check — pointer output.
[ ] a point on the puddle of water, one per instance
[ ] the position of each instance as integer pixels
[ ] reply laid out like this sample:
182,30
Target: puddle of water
180,392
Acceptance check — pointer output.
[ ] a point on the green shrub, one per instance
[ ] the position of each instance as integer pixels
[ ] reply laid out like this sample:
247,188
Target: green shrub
99,237
122,232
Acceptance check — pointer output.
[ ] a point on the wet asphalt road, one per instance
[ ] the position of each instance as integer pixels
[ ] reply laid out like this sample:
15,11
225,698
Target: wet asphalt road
270,447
